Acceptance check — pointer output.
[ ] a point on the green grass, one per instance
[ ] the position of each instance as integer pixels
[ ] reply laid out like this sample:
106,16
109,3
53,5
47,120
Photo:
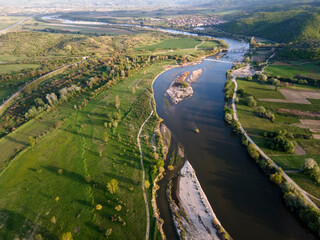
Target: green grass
258,90
8,68
296,68
307,184
292,162
29,186
284,71
182,43
210,44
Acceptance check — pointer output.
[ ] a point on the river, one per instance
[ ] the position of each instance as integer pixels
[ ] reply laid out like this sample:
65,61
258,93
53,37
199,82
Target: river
247,204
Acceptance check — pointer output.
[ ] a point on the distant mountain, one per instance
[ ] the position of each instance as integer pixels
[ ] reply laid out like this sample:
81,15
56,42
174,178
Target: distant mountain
137,3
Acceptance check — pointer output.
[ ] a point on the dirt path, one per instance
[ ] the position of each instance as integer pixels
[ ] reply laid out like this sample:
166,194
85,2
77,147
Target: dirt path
143,172
196,47
235,116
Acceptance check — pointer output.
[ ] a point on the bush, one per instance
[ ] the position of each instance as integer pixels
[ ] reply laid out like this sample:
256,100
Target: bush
228,118
277,177
261,110
146,184
250,101
253,151
32,141
118,208
66,236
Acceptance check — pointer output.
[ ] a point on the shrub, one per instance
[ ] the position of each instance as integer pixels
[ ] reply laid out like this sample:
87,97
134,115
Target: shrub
228,118
108,232
261,110
118,208
277,177
250,101
32,141
66,236
170,167
98,207
253,151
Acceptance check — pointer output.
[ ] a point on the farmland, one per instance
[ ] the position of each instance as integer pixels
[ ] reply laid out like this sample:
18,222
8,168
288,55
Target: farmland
259,127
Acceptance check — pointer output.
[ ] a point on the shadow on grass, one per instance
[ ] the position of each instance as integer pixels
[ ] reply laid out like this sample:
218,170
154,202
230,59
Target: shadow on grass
75,177
15,225
11,139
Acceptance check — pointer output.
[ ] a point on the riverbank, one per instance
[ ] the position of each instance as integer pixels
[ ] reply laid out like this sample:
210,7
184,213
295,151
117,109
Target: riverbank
295,197
194,217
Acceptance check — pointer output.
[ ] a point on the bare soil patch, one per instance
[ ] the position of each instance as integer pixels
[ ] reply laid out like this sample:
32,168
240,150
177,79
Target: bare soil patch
281,63
299,113
299,150
295,96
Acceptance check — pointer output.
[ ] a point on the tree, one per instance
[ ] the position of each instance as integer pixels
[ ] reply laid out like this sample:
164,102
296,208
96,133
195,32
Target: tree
117,102
261,110
228,118
250,101
247,60
309,164
146,184
262,77
27,89
98,207
118,208
113,186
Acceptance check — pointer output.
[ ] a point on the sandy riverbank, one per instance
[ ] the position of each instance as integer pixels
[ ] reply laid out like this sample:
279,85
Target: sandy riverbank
193,216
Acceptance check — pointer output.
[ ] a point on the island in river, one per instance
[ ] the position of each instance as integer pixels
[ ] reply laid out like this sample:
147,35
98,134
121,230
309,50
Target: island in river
180,88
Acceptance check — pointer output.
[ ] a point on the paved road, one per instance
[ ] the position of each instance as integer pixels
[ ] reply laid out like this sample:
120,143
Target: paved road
235,116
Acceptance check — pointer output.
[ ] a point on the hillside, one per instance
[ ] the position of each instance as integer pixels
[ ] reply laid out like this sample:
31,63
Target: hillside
298,28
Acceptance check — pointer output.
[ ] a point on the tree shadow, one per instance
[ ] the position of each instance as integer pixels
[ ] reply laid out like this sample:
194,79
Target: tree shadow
11,139
75,177
15,225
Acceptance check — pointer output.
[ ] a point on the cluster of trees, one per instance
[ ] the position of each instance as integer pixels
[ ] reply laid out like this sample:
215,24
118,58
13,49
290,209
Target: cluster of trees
283,141
312,169
51,100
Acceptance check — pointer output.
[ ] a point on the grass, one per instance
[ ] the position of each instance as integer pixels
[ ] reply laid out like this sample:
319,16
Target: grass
307,69
210,44
182,43
7,21
258,90
9,68
28,199
307,184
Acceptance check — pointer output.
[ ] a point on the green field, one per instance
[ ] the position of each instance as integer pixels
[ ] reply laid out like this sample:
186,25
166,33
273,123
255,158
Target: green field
289,71
210,44
8,68
182,43
31,184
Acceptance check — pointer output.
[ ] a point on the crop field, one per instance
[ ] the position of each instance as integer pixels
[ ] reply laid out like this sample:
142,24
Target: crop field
310,69
182,43
57,191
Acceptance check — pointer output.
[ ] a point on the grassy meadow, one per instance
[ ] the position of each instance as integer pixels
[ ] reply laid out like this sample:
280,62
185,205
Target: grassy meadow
31,185
182,43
